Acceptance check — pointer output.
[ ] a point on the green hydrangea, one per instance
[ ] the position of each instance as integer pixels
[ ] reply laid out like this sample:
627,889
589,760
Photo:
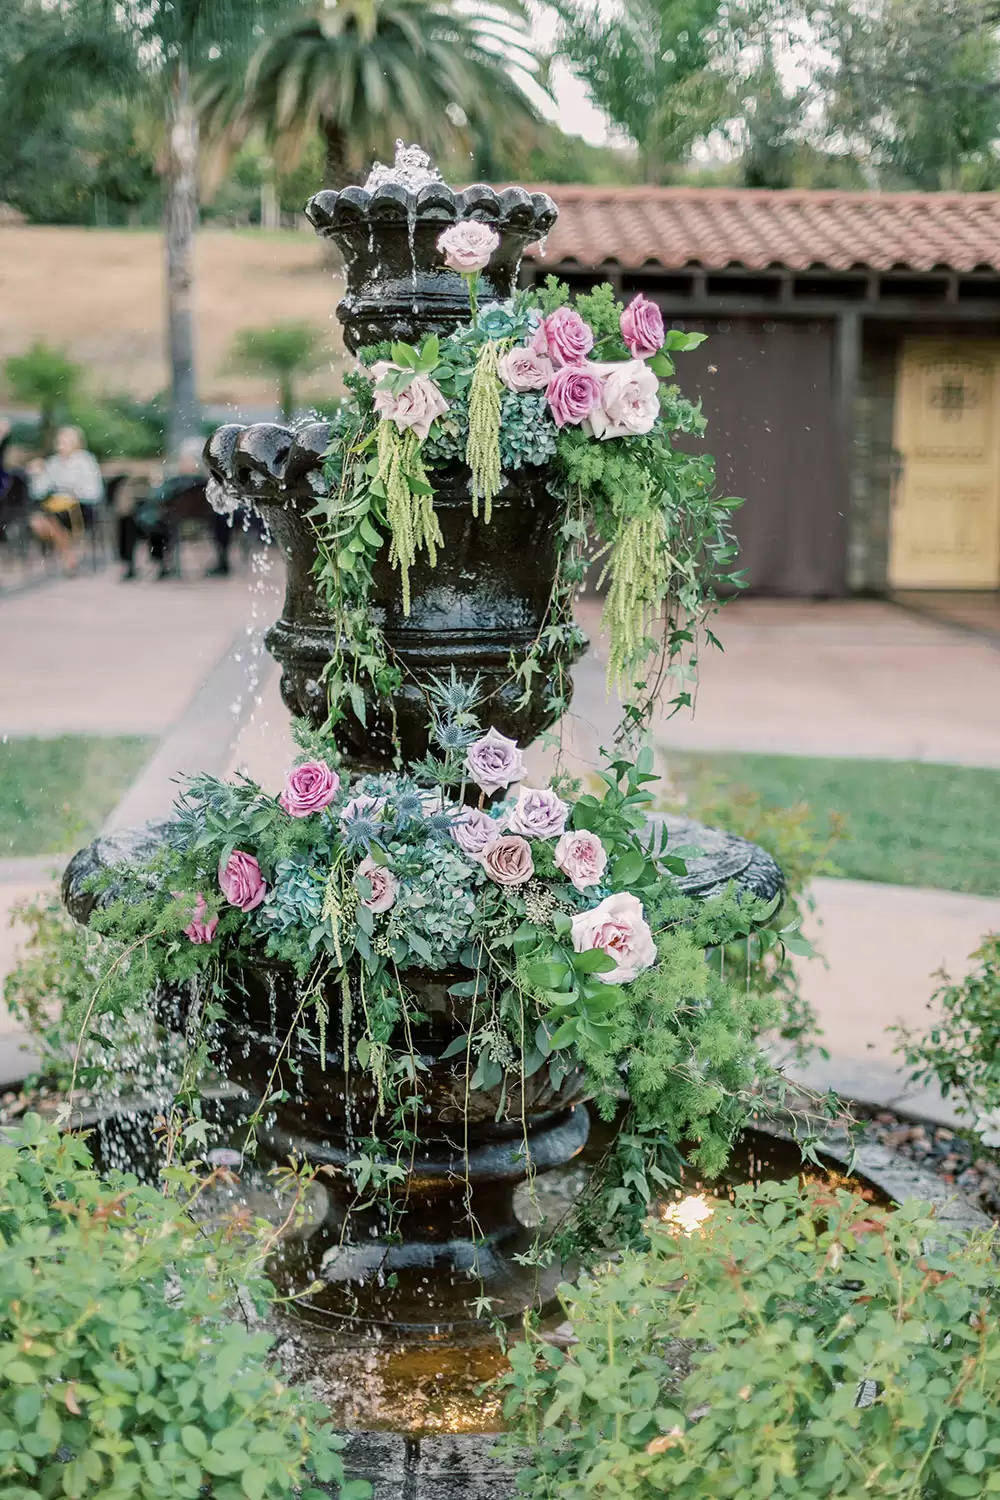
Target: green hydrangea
296,897
527,431
434,916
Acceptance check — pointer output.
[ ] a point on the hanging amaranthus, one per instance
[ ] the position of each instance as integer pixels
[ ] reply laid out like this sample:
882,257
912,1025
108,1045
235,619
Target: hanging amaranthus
639,569
482,452
409,502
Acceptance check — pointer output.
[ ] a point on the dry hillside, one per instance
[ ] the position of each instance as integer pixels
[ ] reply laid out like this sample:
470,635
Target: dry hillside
98,293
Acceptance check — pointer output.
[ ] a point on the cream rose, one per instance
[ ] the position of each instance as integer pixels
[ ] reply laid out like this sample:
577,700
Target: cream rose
468,245
617,926
582,858
630,403
523,370
416,406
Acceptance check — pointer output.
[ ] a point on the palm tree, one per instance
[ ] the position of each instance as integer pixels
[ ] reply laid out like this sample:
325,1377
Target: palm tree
146,50
285,350
364,72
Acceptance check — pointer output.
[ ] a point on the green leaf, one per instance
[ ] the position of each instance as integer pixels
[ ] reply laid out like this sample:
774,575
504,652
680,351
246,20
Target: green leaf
194,1440
593,961
681,342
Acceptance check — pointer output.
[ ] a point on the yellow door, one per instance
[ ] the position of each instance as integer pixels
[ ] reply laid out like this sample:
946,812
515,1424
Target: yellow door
945,519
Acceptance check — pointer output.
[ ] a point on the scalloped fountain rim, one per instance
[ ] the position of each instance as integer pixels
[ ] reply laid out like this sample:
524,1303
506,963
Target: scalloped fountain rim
513,209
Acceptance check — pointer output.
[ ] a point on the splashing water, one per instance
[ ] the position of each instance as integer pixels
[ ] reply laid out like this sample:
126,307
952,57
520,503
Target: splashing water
412,168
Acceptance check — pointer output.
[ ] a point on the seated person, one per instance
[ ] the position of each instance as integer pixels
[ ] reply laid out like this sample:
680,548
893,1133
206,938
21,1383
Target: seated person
67,487
180,497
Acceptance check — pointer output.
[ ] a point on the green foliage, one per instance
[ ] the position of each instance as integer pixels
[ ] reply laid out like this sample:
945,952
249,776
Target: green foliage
125,1367
283,350
961,1050
800,1343
56,792
118,427
43,377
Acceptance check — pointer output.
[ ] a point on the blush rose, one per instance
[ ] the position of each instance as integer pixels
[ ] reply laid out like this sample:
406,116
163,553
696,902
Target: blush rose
539,814
642,329
574,393
494,762
381,882
564,337
309,788
468,245
630,401
198,930
582,858
617,926
241,882
523,370
508,860
416,406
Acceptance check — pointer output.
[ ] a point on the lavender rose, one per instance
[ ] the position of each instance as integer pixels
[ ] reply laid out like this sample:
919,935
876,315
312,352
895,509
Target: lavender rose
617,926
494,762
508,860
309,788
582,858
473,830
573,394
630,403
564,337
416,406
641,324
241,882
468,245
198,930
381,882
539,814
522,369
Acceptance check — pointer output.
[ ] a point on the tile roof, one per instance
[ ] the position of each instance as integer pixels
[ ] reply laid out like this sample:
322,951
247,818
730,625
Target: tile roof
755,227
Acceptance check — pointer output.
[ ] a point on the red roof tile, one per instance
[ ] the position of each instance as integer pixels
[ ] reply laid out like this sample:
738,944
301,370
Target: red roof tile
756,228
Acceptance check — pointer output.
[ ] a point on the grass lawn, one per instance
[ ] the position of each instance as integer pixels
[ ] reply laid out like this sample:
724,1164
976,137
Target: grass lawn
905,822
55,794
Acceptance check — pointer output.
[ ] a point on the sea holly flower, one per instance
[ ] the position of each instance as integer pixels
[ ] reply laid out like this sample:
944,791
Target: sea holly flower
382,884
617,926
198,930
494,762
508,860
241,882
468,245
581,857
630,401
309,788
539,814
642,329
362,806
564,337
416,406
574,393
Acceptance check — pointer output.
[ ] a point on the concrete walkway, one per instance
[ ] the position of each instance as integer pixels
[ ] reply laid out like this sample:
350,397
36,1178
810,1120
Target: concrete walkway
182,660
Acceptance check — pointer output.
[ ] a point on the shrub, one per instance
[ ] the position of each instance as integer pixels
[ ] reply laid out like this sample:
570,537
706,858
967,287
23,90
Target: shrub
116,427
122,1370
46,378
961,1051
801,1343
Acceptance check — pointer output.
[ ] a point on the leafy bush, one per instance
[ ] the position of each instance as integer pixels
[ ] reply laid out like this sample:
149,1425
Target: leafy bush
43,377
961,1051
801,1344
122,1371
117,427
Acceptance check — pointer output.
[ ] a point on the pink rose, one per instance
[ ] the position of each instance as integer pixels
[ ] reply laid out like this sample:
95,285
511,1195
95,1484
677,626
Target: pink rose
468,245
582,858
362,806
198,930
309,788
382,883
241,882
573,393
473,830
494,762
641,324
564,337
508,860
630,403
522,369
416,406
618,928
539,814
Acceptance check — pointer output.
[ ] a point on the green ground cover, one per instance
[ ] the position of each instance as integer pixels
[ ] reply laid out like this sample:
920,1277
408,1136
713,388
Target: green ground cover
904,822
56,793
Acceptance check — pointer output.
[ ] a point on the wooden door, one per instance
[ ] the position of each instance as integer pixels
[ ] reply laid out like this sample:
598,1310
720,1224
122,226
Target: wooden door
945,522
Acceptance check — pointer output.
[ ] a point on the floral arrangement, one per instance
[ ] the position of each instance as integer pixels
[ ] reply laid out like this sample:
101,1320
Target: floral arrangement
584,388
555,918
